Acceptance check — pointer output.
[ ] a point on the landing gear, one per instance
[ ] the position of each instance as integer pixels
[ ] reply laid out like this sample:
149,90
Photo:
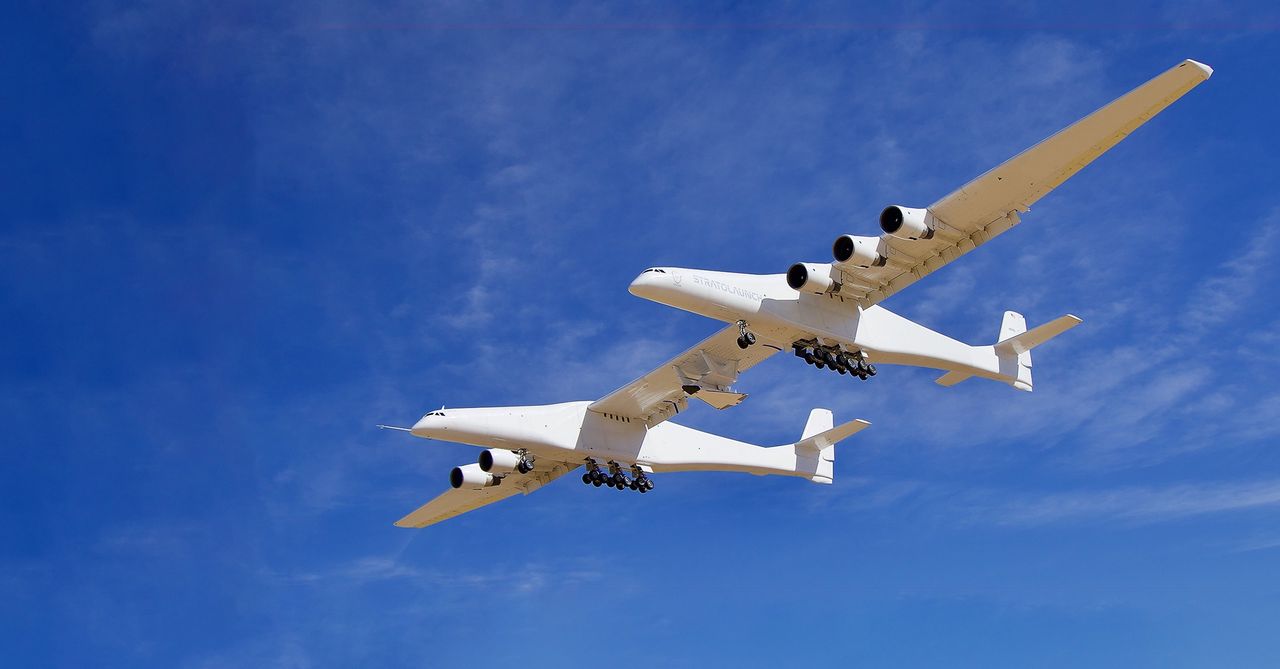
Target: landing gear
641,482
616,476
834,357
746,338
526,462
593,475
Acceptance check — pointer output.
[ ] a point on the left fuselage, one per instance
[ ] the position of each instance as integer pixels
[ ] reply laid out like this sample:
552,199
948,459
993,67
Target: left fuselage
569,432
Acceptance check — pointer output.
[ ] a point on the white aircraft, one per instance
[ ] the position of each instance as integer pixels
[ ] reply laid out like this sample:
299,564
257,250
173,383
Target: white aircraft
827,313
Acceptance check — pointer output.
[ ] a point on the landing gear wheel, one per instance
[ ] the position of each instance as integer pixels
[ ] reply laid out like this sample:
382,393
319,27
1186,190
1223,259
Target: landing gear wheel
643,490
597,482
586,478
648,484
871,370
743,343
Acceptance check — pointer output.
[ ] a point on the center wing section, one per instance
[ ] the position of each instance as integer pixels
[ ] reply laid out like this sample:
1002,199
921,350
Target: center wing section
707,371
990,204
457,501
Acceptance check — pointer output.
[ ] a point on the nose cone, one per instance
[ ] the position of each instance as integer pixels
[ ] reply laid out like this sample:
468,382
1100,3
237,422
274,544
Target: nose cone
651,284
430,425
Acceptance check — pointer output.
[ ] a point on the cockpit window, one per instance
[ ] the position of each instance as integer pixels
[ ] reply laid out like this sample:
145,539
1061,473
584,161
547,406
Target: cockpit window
659,270
436,413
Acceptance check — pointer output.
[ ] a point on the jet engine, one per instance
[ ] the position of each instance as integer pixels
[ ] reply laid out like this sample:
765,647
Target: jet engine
472,478
906,223
857,251
499,460
810,277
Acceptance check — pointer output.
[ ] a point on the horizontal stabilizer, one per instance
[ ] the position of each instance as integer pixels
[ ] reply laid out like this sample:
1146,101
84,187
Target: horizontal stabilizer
951,378
827,438
1019,344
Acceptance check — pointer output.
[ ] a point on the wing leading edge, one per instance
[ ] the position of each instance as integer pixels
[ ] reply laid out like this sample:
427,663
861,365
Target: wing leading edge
457,501
991,203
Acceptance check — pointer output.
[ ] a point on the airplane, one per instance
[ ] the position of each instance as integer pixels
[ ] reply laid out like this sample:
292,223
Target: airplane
827,313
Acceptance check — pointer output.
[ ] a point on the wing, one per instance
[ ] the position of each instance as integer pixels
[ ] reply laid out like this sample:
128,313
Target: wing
708,369
989,205
457,501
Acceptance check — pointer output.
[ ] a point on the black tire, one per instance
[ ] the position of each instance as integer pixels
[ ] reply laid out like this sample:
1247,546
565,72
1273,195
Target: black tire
597,482
586,478
750,337
742,343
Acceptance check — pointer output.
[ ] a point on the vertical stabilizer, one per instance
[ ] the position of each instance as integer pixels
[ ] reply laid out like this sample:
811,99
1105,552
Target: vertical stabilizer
1013,325
816,450
820,420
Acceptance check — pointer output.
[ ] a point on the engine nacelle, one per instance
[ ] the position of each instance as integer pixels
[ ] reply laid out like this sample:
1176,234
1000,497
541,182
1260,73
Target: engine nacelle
810,277
499,460
472,477
906,223
857,251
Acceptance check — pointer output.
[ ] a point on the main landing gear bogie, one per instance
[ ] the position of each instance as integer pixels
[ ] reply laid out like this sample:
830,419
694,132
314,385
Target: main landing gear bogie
834,358
616,477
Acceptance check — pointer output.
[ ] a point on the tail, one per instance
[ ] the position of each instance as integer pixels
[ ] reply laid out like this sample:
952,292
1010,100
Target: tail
816,450
1013,352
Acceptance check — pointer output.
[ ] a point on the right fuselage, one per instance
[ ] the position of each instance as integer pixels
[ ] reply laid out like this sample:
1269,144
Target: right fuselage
782,315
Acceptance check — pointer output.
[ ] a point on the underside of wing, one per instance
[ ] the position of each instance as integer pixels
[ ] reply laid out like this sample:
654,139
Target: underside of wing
991,203
707,370
458,501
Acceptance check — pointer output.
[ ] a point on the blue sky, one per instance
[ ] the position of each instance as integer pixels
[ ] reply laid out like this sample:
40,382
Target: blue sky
234,240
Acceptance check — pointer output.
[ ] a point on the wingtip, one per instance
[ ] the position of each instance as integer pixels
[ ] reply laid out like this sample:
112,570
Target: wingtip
1208,71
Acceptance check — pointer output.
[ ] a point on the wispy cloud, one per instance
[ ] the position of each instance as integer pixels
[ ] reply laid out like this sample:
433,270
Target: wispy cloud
1126,504
523,579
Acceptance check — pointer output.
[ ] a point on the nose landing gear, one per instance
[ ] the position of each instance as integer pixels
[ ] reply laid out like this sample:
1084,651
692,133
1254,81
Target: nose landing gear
746,338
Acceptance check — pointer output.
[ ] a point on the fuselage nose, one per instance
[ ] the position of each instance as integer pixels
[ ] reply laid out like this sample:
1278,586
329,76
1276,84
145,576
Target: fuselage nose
430,425
652,284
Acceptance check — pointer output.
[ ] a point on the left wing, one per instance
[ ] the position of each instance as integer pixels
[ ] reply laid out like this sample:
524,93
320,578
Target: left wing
706,371
457,501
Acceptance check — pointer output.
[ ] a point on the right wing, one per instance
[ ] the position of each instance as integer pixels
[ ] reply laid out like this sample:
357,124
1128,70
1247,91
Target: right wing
709,368
457,501
990,204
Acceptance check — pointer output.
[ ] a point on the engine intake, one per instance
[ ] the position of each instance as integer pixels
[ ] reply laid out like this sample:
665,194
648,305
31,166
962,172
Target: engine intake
472,477
906,223
810,277
499,460
857,251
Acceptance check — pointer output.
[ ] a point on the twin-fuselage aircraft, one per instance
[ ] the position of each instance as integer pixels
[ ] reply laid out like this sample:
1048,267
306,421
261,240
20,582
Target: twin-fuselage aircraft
826,313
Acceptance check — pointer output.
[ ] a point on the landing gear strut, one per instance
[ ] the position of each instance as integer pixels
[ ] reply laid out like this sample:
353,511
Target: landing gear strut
745,337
